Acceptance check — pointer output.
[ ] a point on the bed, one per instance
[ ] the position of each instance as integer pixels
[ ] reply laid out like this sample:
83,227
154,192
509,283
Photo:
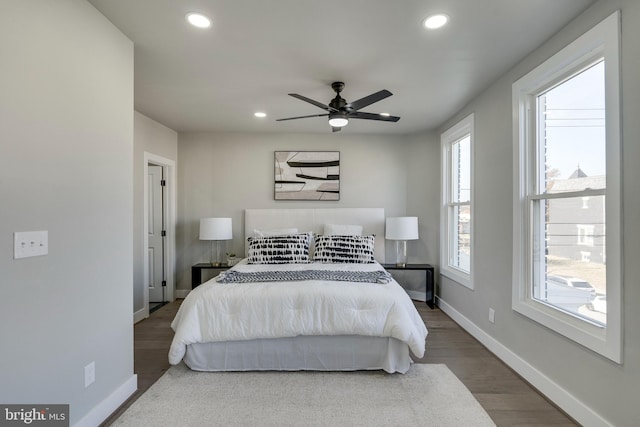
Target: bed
337,316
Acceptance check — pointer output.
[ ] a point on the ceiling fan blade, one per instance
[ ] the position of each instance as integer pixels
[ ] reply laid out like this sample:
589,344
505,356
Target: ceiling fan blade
368,100
302,117
335,129
311,101
373,116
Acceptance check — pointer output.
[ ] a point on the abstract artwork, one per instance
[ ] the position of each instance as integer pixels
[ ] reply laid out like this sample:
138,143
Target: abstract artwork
307,175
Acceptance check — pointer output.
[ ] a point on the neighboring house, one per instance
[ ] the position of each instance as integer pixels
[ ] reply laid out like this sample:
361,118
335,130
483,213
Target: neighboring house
576,225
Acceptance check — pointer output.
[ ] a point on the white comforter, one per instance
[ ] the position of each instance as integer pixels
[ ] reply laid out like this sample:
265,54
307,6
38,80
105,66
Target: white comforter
229,312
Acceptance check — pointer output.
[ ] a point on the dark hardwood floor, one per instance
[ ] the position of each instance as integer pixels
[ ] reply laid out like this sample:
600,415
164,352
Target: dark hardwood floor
151,340
507,398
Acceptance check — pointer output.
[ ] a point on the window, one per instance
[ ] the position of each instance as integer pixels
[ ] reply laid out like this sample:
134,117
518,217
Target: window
457,202
567,237
585,238
585,202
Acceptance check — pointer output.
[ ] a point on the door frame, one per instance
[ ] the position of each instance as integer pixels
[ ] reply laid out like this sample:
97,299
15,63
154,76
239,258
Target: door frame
169,172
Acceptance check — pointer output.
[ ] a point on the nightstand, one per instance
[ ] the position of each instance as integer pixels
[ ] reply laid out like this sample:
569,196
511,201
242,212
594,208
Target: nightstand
428,271
196,272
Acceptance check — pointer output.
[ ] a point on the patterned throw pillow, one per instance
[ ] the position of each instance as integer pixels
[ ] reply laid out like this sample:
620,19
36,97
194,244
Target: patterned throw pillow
289,249
345,249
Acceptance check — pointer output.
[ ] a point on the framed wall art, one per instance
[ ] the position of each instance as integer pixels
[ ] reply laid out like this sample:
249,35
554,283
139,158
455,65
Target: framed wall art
307,175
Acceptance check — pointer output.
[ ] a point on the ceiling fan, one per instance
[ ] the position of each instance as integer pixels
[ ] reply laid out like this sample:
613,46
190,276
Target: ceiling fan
340,111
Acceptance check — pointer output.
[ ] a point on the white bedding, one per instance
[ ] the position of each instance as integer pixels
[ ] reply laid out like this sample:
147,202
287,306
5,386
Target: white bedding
215,312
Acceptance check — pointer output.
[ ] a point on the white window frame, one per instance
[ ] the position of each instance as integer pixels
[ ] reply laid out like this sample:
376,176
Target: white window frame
451,136
602,41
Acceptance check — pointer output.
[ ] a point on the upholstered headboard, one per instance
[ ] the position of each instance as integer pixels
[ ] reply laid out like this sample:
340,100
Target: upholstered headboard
371,220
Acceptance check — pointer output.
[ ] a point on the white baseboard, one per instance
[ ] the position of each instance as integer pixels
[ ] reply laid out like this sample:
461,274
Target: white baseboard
545,385
140,315
104,409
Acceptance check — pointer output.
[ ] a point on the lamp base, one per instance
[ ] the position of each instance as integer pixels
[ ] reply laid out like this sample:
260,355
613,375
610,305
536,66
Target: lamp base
401,253
216,253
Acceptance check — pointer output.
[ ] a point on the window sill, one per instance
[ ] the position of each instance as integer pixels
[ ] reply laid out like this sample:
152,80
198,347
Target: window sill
593,336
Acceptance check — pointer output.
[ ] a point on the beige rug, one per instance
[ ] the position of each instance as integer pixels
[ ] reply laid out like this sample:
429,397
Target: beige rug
428,395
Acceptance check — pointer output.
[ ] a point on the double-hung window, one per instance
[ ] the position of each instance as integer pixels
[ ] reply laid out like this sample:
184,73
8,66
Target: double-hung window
457,197
567,206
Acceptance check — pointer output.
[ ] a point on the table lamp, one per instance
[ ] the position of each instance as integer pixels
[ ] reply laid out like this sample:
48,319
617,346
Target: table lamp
401,229
216,230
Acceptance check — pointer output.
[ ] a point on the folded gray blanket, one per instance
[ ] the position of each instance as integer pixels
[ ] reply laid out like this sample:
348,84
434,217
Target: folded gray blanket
233,276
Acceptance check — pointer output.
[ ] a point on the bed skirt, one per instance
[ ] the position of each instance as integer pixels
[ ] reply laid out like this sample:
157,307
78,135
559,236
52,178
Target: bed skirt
312,353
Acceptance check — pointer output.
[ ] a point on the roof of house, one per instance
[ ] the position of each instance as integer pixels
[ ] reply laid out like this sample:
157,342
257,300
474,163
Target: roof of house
578,181
578,173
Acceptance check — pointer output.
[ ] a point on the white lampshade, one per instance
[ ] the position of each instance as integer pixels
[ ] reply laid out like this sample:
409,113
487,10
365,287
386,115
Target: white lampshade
402,228
216,229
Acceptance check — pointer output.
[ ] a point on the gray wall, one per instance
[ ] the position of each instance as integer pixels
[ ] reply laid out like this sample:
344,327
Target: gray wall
422,159
155,138
611,390
223,174
66,132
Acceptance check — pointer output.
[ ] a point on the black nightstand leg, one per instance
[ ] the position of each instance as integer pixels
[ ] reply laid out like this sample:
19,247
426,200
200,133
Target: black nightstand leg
431,293
430,296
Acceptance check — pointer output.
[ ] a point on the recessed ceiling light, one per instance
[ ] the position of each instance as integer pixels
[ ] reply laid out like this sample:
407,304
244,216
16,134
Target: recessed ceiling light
198,20
435,21
260,114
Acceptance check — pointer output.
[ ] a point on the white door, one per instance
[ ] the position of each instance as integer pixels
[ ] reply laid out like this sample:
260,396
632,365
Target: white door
156,238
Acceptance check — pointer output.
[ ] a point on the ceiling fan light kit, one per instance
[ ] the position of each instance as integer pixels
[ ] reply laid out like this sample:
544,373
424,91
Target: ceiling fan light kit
338,121
340,111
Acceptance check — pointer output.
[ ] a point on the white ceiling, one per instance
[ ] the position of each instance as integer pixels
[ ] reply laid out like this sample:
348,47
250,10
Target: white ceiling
258,51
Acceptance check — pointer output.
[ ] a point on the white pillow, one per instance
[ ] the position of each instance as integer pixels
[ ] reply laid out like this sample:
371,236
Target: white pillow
342,230
275,232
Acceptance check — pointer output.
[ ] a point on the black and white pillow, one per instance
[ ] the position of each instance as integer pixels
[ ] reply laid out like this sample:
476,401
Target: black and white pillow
289,249
345,249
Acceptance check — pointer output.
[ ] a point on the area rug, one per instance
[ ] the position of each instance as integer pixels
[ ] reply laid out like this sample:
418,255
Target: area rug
427,395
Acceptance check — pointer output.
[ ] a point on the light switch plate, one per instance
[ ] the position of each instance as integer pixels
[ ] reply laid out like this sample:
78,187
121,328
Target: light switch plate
30,243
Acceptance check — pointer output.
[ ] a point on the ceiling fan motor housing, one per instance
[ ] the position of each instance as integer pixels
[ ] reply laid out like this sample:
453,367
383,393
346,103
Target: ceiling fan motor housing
338,103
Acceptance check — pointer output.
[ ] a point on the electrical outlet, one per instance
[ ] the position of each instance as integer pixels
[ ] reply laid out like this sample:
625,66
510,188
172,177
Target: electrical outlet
89,374
492,315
